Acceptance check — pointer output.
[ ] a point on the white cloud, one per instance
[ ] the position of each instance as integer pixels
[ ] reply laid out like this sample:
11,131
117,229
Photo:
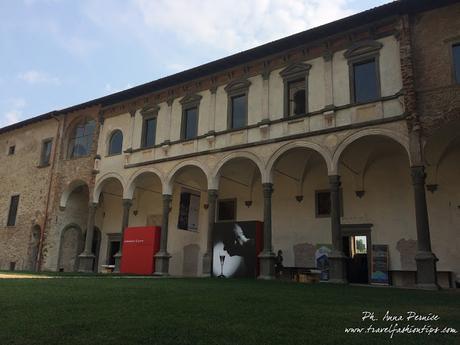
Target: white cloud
228,25
38,77
15,112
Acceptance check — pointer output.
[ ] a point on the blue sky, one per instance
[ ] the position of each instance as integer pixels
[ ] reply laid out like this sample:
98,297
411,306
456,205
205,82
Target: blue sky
58,53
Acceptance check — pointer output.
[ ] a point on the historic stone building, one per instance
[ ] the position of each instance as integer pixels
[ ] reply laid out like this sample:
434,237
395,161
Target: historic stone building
324,136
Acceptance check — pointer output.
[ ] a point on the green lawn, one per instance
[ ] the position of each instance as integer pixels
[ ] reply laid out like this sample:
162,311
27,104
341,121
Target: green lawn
99,310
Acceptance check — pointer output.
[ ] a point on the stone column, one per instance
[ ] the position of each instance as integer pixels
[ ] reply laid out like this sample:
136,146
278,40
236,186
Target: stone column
162,257
425,258
86,259
267,257
207,257
127,203
337,260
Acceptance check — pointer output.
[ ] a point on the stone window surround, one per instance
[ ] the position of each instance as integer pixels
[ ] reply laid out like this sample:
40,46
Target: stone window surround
110,136
361,52
235,201
316,202
189,102
42,164
235,88
148,113
294,72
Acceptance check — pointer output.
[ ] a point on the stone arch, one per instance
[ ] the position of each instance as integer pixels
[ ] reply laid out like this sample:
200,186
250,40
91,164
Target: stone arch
167,183
392,135
70,246
323,152
103,180
68,190
131,185
215,175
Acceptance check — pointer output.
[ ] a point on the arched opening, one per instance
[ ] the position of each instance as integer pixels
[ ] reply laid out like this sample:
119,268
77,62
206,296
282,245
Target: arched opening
81,138
378,210
188,219
71,246
238,230
442,156
115,143
108,218
301,207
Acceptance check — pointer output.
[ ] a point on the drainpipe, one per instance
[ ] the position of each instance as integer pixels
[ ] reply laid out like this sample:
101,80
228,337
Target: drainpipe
42,234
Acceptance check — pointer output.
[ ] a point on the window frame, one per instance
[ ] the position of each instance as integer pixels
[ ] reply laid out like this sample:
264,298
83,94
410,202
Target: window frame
294,73
112,134
317,215
189,102
147,114
72,137
235,202
235,89
12,222
42,153
359,53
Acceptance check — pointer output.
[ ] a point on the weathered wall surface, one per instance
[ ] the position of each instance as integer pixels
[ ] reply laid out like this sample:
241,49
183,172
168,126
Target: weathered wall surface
21,175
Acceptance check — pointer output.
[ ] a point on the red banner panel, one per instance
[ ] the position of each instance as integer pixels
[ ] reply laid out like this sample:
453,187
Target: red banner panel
140,244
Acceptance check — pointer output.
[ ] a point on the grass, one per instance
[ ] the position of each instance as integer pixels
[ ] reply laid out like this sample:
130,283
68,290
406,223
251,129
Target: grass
97,310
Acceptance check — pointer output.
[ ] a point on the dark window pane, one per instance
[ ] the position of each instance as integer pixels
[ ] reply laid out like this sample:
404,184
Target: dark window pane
238,111
13,210
226,210
191,123
150,127
296,97
46,152
116,143
365,80
82,139
456,55
323,203
11,150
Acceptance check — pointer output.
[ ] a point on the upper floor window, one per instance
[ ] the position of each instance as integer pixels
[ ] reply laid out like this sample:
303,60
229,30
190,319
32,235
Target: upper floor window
456,58
116,143
237,106
149,126
12,213
81,139
295,79
45,155
11,150
363,62
365,81
190,111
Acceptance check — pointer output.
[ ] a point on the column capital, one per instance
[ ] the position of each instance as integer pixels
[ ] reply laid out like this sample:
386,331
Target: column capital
418,174
213,194
167,197
268,189
127,203
93,205
334,181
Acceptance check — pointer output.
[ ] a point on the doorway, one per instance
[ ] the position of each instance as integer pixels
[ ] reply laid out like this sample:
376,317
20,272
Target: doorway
357,247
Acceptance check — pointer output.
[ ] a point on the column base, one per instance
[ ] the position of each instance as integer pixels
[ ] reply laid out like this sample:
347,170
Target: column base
117,258
162,264
207,264
85,262
338,268
426,271
267,265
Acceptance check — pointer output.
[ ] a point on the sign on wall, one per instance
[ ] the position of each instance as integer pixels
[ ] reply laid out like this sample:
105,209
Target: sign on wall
379,272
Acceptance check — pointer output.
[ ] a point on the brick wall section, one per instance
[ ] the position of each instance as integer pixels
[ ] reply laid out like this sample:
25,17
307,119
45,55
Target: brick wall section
433,33
21,175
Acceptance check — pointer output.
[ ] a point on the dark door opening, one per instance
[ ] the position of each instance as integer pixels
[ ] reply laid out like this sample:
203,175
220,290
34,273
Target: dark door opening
356,247
114,248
